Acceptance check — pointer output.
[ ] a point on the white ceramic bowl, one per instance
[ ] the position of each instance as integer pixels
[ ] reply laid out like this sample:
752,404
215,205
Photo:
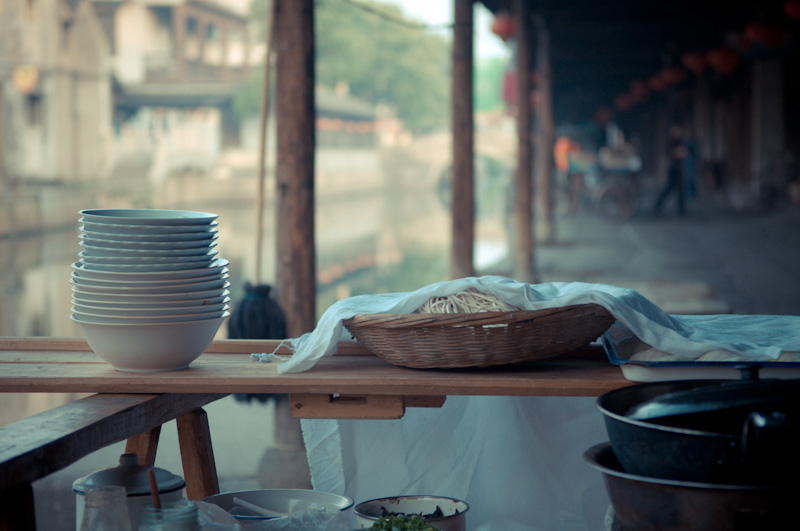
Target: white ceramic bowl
177,285
141,230
146,313
171,319
150,347
147,236
143,261
214,267
279,500
454,511
116,248
163,267
146,216
204,295
81,286
209,304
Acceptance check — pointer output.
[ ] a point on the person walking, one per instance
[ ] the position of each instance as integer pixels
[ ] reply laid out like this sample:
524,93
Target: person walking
676,153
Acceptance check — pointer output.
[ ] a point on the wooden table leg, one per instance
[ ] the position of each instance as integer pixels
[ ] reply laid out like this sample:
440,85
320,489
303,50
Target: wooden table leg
197,455
144,445
16,509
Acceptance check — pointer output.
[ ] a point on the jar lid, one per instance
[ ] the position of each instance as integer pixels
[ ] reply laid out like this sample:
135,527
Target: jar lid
131,475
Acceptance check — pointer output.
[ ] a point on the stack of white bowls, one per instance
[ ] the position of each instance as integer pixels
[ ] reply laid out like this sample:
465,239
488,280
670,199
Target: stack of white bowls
149,291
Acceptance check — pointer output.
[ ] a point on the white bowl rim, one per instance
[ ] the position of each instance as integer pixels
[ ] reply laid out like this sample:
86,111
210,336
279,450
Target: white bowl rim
202,294
86,281
216,264
120,245
130,261
220,306
412,496
115,319
147,216
139,230
194,321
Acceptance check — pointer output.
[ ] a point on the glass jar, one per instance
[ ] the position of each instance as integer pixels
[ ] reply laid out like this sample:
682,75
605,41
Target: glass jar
178,515
105,509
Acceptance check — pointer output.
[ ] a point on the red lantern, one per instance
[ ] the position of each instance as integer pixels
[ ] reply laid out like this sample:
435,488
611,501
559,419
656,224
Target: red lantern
695,62
723,59
639,91
623,102
768,35
656,83
503,25
792,9
672,75
603,116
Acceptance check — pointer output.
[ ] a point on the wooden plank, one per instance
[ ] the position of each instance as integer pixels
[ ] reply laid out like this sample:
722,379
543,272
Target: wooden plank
45,443
144,446
197,455
318,406
583,373
463,185
424,401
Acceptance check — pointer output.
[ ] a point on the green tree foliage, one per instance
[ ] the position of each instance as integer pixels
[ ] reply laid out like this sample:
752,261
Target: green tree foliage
382,59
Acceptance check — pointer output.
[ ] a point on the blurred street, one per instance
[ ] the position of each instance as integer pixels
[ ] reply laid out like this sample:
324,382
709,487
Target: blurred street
713,260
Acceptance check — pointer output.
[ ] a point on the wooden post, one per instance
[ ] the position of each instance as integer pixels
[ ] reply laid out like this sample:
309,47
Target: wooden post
463,186
544,137
524,270
294,99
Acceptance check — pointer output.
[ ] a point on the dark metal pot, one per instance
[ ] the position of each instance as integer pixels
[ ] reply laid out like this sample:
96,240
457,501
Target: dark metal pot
746,432
643,503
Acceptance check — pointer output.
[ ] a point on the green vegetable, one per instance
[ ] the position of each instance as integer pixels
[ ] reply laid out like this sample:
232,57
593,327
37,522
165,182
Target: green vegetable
401,522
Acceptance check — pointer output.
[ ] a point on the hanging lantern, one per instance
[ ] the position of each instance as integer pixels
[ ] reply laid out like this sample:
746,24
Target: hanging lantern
723,59
639,91
695,62
503,25
768,35
792,9
656,83
672,75
623,102
603,116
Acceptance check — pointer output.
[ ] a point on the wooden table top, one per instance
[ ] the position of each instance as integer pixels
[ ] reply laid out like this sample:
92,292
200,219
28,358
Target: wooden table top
68,365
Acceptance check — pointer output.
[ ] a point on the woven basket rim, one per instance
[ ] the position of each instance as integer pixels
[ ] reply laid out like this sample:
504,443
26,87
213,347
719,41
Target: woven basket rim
414,320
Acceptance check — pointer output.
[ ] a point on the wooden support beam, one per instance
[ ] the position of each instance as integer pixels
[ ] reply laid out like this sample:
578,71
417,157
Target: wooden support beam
524,259
144,446
463,187
294,99
197,455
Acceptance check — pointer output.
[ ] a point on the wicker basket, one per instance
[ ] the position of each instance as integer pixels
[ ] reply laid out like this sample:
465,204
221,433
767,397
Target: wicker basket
453,340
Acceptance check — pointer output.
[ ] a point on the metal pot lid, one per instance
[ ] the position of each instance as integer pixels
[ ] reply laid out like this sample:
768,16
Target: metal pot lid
131,475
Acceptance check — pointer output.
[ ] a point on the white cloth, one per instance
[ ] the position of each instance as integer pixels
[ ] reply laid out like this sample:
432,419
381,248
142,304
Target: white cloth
518,461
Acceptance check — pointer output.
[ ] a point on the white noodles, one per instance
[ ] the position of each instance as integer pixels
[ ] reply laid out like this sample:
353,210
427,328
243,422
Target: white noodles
468,301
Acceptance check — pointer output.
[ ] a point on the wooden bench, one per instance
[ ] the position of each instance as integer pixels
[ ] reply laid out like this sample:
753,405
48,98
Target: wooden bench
37,446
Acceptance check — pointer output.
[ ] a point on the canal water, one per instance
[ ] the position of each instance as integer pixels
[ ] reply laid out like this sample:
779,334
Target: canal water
382,225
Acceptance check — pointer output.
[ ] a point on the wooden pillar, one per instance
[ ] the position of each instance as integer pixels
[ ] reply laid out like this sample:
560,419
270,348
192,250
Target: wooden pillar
524,270
544,137
463,205
294,100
